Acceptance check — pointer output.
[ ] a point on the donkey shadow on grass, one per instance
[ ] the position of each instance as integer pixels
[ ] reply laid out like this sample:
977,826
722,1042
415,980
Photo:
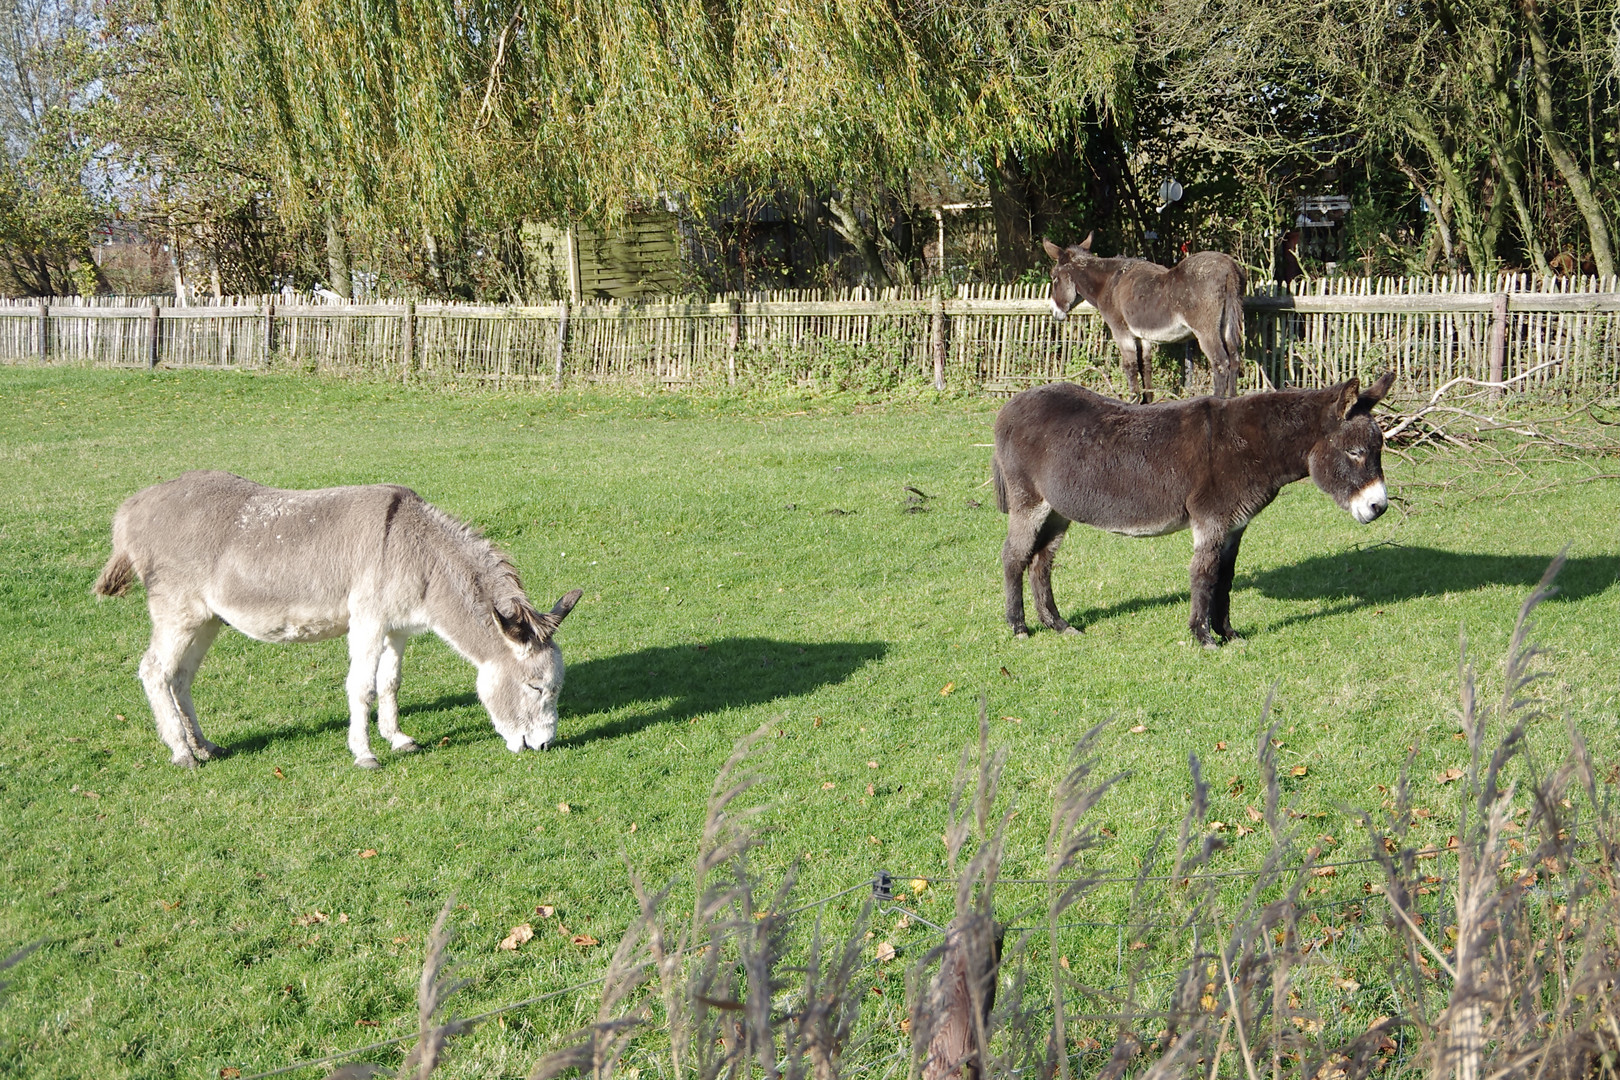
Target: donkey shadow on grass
659,685
678,682
1385,574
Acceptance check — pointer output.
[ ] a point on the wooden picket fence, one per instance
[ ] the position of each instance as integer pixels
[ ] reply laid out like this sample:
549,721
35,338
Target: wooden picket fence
1564,333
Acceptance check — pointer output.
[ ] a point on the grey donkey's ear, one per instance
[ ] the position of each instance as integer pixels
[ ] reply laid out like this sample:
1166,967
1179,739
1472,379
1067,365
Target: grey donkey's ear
526,626
1053,252
546,625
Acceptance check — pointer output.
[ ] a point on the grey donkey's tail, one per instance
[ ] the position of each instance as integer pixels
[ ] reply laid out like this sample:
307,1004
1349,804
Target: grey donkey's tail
1001,484
115,576
1232,320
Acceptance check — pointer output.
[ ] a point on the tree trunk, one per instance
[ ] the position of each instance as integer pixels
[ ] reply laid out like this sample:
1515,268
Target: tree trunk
847,224
1508,165
337,256
1010,207
1569,167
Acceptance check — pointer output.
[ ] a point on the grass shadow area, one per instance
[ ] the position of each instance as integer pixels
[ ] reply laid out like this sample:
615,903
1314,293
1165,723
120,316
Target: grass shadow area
1391,573
678,682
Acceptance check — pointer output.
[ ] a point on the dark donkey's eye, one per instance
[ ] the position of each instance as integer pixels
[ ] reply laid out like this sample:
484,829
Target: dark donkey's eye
1357,456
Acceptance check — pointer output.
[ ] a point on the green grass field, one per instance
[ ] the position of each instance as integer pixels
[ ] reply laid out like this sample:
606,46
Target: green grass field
745,563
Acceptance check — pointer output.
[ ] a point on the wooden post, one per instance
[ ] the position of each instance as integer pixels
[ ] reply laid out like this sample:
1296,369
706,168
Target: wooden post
562,342
153,337
1498,356
269,331
571,238
936,318
408,342
44,332
733,340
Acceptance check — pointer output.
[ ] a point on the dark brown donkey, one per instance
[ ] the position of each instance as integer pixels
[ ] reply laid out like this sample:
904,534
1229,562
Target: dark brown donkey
1145,305
1066,454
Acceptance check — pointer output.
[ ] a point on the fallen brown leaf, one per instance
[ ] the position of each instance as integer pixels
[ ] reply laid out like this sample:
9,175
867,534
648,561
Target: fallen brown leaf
828,786
1299,770
1220,746
545,911
1254,815
584,941
445,741
279,775
871,765
1138,729
1448,776
884,952
948,688
1325,871
229,1072
564,808
316,916
369,853
520,933
368,1023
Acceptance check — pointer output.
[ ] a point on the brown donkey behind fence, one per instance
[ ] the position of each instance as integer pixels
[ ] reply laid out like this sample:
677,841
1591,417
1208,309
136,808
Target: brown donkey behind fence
1145,304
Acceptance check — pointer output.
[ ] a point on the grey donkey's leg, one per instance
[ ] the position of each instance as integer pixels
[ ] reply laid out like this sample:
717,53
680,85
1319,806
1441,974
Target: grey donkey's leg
173,634
1144,362
1223,364
388,693
1220,610
366,644
190,660
1130,364
1040,573
1208,540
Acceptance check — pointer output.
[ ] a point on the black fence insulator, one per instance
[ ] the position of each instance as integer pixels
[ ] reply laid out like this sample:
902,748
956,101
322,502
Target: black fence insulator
882,886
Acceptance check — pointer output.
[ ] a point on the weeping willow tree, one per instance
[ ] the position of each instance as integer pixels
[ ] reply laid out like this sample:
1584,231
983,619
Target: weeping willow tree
432,126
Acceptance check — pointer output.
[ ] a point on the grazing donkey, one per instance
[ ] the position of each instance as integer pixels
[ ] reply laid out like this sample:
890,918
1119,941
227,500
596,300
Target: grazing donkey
1066,454
1145,305
377,563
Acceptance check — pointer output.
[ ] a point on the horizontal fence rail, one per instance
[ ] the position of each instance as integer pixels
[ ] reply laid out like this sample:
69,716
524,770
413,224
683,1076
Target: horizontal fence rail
1564,333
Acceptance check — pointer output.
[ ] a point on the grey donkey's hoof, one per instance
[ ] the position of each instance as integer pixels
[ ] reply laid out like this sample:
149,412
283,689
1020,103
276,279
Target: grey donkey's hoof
407,747
1071,631
209,752
367,762
1021,635
185,761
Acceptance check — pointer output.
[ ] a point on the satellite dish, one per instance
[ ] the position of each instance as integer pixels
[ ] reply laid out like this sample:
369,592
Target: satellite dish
1170,192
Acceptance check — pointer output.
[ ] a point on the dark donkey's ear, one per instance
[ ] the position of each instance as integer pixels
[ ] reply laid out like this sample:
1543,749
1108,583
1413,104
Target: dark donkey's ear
1349,392
547,624
1085,245
1053,252
1375,393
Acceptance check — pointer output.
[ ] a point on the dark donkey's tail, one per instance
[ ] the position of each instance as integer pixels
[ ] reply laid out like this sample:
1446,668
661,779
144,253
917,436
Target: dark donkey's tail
1000,482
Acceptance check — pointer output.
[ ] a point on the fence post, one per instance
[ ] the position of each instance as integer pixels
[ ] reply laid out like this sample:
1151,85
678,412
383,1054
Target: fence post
44,332
936,318
153,333
733,339
408,342
562,343
1499,312
269,330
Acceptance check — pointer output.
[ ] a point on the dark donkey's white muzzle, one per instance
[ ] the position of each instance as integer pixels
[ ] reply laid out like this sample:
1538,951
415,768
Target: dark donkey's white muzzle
1369,502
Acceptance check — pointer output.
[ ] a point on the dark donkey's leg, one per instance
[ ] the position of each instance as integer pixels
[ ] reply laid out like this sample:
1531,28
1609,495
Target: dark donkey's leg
1040,573
1209,542
1220,609
1025,528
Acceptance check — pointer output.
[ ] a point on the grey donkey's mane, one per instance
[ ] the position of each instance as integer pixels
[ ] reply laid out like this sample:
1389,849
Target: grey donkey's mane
492,573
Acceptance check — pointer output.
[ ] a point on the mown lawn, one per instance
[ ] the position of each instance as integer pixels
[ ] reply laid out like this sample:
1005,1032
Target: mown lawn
745,563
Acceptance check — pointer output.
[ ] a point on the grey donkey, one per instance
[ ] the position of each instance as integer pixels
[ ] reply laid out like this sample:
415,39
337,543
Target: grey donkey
377,563
1145,304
